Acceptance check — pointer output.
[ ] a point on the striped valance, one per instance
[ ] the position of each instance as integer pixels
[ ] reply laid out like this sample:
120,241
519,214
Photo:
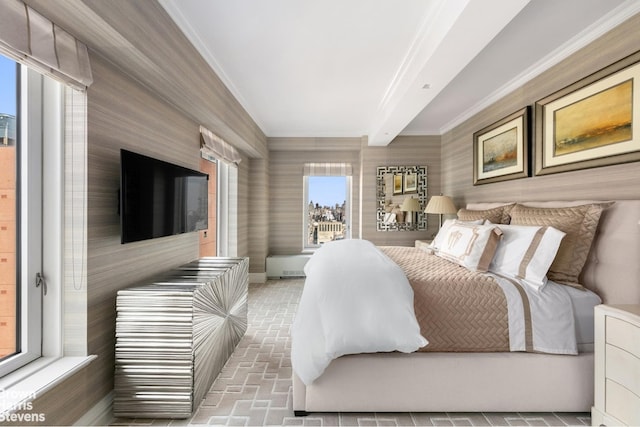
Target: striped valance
213,146
328,169
31,39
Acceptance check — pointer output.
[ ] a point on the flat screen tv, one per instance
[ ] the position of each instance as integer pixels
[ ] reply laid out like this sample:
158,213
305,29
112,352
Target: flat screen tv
159,199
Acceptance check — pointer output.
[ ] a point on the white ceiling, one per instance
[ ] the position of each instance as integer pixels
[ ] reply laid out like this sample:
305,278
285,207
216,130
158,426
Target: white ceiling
350,68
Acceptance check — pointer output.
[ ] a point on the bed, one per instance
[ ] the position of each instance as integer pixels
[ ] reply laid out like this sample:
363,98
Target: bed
491,381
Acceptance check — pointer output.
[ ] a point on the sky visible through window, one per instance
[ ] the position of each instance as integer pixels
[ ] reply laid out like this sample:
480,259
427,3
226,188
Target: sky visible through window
7,86
327,190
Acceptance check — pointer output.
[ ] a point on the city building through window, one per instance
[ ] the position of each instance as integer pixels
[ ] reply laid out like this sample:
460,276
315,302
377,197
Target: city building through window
327,209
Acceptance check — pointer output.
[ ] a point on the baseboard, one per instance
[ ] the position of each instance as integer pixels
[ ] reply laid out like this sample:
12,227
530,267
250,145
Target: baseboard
258,277
100,415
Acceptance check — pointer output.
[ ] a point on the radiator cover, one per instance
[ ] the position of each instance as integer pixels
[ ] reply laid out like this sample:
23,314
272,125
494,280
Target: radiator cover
286,266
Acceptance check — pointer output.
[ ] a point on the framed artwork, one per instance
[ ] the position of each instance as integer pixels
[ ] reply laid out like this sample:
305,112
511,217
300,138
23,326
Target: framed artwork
410,184
592,122
501,150
397,183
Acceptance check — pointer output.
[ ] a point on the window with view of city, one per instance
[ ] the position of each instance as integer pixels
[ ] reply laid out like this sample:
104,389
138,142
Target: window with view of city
327,213
8,104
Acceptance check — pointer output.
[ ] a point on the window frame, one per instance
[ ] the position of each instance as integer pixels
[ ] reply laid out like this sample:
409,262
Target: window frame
28,221
62,341
226,209
38,236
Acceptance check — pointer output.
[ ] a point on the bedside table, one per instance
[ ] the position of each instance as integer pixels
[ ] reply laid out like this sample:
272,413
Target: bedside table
617,365
423,244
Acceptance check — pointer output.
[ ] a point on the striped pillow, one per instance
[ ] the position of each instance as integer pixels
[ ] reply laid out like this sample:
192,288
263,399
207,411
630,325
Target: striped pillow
526,252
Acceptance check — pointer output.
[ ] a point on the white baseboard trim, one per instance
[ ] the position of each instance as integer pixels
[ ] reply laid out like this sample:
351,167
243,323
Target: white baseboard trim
258,277
100,415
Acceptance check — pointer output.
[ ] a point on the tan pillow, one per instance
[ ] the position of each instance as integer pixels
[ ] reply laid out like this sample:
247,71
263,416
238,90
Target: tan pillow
499,215
578,222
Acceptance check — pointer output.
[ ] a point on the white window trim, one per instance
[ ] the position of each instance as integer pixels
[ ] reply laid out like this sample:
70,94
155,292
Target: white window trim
28,155
50,366
226,209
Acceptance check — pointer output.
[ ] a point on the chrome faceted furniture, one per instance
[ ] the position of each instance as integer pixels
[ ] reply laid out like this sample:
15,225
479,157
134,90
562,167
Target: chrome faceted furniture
174,335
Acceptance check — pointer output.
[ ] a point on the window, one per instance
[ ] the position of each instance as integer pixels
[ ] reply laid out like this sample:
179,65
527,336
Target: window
8,208
227,158
33,116
327,200
226,209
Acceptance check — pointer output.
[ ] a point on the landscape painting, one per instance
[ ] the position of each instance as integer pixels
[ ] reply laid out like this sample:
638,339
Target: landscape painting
601,119
590,123
501,150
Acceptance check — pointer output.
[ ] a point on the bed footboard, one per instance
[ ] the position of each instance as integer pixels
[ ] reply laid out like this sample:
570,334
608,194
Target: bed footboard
450,382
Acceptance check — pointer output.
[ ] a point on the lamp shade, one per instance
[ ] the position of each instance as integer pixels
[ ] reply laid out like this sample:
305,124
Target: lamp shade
441,205
410,205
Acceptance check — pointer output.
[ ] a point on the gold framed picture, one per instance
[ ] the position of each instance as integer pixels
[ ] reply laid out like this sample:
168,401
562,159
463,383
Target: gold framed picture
397,183
590,123
501,150
410,184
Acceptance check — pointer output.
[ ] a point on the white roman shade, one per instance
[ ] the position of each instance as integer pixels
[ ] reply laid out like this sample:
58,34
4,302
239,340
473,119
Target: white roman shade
31,39
211,145
328,169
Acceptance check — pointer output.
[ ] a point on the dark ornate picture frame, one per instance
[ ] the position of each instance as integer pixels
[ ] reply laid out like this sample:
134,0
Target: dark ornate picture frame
501,150
592,122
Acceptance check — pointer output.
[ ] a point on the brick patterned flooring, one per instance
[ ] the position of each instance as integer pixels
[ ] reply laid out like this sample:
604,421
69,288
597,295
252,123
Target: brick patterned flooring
254,388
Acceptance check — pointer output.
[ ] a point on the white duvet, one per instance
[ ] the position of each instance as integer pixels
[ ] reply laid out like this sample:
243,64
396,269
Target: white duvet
363,303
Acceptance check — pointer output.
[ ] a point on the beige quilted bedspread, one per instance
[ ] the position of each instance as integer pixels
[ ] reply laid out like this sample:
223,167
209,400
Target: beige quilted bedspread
457,309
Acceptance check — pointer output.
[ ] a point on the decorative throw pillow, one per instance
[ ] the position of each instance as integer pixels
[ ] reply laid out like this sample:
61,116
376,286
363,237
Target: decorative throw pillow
499,215
526,252
578,222
437,241
469,245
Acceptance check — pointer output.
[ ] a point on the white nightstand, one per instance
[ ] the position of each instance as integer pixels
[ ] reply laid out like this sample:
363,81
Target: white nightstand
423,244
617,365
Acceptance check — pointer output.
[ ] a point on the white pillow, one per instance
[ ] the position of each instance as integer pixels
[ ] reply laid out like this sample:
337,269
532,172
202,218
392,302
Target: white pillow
437,241
526,252
470,245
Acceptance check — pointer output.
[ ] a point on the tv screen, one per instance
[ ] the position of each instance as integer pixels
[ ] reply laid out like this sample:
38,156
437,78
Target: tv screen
159,199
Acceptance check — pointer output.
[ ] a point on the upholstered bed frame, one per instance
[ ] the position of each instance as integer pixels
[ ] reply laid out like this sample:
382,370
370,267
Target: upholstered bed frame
488,382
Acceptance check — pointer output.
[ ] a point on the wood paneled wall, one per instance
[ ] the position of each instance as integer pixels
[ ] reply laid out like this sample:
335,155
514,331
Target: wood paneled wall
609,182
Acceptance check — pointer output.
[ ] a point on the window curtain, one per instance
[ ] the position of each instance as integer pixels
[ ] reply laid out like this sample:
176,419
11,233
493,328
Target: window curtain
211,145
328,169
31,39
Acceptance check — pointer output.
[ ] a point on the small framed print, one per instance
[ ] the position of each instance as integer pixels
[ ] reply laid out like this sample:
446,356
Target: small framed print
501,150
410,184
397,183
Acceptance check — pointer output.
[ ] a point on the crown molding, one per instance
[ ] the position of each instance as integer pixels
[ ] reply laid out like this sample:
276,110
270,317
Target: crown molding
582,39
183,23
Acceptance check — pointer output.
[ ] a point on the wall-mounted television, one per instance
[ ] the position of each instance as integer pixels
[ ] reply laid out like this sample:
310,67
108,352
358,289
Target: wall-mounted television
159,199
